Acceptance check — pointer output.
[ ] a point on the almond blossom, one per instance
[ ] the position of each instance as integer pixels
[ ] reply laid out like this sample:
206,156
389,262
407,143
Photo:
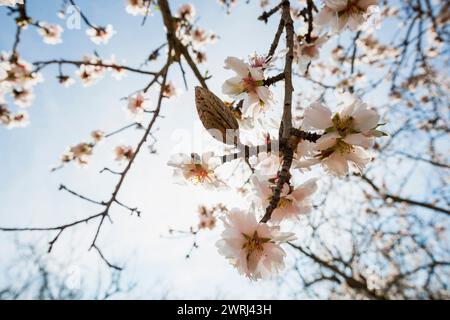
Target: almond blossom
101,35
92,71
170,90
65,81
305,52
252,248
51,33
19,120
247,85
136,106
10,3
23,97
196,169
117,72
19,72
97,135
294,201
186,11
338,14
81,153
124,153
138,7
346,135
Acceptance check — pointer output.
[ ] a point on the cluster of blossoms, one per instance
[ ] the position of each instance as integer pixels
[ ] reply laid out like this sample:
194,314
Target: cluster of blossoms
17,80
82,152
250,241
93,69
345,135
191,35
334,16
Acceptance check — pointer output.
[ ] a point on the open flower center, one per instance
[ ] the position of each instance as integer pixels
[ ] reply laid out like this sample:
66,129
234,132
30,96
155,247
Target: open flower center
198,174
254,244
342,125
250,84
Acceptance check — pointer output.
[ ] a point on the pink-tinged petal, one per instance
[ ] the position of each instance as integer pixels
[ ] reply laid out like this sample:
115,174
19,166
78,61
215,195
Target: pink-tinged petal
360,140
305,190
317,116
178,159
336,164
359,157
354,21
256,74
326,141
237,65
325,17
365,120
233,86
301,164
265,95
336,5
250,107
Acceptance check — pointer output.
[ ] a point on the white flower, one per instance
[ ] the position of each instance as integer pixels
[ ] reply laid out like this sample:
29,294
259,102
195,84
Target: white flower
249,85
87,75
65,81
23,98
19,120
252,248
339,14
170,90
10,3
97,135
137,7
305,52
118,72
101,35
92,71
294,201
80,152
51,33
186,11
137,104
267,164
196,169
124,153
346,135
19,72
